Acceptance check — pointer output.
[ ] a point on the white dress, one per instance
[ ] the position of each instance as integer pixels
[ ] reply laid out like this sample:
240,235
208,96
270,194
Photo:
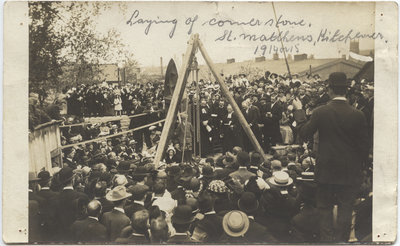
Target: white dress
117,104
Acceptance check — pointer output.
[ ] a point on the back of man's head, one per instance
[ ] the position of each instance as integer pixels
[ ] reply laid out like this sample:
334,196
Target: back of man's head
256,159
159,231
338,83
205,202
242,159
159,188
94,208
140,220
100,189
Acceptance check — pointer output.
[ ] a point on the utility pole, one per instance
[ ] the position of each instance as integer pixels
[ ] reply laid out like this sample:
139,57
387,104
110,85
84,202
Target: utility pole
162,70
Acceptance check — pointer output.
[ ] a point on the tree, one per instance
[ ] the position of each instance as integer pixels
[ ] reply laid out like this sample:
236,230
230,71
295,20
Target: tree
44,49
67,49
86,48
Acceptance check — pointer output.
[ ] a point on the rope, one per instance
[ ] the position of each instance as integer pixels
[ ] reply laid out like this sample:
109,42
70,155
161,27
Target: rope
114,135
184,134
283,47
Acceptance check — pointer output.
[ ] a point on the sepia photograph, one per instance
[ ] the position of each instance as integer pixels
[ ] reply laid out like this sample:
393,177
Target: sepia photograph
203,122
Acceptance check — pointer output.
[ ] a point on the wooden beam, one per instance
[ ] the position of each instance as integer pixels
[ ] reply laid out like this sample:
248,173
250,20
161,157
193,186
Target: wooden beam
113,135
117,118
176,98
225,91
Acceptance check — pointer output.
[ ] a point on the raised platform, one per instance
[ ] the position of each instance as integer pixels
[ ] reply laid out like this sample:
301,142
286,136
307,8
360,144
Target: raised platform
124,119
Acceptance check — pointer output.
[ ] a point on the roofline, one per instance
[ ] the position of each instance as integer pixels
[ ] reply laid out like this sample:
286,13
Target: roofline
339,60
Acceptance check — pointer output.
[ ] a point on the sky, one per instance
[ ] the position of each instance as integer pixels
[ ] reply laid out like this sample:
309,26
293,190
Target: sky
303,20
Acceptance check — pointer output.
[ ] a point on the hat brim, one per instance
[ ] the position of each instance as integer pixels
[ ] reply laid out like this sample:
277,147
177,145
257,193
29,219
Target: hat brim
305,179
226,163
234,233
66,180
181,221
45,179
111,199
186,178
123,170
139,174
248,210
34,179
209,175
272,181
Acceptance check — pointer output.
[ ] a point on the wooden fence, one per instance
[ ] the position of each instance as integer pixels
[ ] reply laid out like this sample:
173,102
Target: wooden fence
44,147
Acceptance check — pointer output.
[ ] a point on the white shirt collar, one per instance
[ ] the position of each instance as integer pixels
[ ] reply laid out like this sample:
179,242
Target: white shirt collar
45,188
340,98
92,217
68,188
119,209
211,212
140,202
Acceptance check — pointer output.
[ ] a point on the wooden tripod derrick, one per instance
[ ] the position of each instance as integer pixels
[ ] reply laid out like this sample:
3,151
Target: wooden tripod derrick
195,44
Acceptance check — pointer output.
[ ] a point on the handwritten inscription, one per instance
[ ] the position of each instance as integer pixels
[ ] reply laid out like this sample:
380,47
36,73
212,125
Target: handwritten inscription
291,32
254,22
136,20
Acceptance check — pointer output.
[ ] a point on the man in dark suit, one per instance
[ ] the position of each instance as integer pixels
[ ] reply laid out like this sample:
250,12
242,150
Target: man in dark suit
210,226
116,220
181,219
139,192
271,116
252,115
89,230
46,208
100,195
242,174
218,115
137,232
256,233
231,130
322,98
137,122
206,131
69,204
343,148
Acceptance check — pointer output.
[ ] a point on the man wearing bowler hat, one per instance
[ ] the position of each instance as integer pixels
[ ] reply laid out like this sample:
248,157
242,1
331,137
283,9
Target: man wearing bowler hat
256,233
342,151
181,219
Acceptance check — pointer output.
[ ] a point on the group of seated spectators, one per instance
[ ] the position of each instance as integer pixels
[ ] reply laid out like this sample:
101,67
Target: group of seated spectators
236,197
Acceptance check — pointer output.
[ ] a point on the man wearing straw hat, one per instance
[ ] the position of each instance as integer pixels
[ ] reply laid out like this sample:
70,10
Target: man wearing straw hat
342,151
116,219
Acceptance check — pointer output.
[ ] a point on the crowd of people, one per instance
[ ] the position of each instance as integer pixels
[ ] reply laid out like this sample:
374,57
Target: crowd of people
108,100
267,105
112,192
